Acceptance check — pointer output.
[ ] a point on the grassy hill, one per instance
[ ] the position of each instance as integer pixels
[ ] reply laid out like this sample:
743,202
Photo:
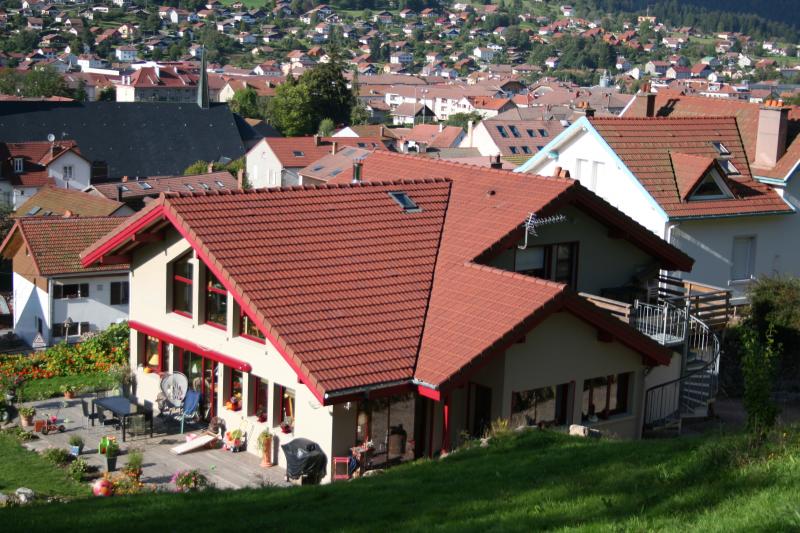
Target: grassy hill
528,482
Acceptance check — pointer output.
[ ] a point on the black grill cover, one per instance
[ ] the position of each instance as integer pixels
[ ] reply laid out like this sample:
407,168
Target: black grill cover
304,458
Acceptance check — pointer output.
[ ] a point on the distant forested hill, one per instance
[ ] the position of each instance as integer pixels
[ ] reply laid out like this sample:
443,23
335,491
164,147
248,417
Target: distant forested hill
758,18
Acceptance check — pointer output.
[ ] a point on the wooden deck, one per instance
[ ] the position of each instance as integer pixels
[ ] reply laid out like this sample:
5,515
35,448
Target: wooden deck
224,469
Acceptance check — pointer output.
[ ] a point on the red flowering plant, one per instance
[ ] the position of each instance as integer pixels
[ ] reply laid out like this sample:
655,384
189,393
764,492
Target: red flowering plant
190,481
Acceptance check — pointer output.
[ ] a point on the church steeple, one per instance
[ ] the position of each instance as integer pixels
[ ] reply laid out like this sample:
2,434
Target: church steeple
202,84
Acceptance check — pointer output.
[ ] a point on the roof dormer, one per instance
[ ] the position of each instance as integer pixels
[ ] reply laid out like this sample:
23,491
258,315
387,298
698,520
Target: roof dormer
701,177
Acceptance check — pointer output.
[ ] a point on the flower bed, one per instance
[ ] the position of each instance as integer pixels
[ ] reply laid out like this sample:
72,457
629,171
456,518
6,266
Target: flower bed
99,353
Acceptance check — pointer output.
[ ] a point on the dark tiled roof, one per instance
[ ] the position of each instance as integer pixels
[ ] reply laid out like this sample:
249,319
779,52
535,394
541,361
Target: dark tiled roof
645,146
155,185
135,139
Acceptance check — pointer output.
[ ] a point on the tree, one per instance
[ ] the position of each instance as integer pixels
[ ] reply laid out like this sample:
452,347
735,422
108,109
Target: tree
359,114
329,93
759,363
45,82
10,81
198,167
326,127
245,103
291,109
462,120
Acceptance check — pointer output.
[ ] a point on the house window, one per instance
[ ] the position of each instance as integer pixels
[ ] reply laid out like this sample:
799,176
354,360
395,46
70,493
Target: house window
182,275
120,293
216,301
18,165
546,406
284,406
605,396
153,354
565,258
248,328
502,131
526,150
203,378
721,148
543,133
708,189
514,131
743,262
513,149
67,172
533,261
531,133
557,262
70,330
260,403
72,290
236,384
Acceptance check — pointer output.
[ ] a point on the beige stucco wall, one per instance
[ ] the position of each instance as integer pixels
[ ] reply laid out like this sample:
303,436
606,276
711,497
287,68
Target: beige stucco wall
562,349
150,305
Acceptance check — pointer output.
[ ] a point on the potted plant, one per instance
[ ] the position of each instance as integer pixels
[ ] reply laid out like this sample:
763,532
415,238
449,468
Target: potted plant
110,449
133,468
75,445
69,391
286,426
26,415
265,446
261,414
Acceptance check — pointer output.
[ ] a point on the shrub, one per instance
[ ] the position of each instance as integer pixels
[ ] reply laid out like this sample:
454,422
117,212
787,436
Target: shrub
75,440
758,369
77,469
190,481
57,456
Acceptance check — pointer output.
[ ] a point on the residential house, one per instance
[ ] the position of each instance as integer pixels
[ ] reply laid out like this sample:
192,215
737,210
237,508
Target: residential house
510,137
54,201
158,83
126,54
25,167
55,298
424,138
134,192
310,365
688,180
409,113
482,53
331,165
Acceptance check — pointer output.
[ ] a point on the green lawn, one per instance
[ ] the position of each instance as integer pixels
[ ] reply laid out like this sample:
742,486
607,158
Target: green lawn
41,389
537,481
22,468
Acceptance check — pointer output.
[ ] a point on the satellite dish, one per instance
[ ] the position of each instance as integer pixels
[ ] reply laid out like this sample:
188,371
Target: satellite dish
51,137
174,387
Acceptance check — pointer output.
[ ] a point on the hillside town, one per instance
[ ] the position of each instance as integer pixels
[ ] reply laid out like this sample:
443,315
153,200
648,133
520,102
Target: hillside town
340,240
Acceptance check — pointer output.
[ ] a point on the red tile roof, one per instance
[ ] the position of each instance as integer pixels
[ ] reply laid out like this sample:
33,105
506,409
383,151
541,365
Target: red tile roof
689,170
645,146
299,152
388,296
154,185
55,243
51,200
676,104
36,156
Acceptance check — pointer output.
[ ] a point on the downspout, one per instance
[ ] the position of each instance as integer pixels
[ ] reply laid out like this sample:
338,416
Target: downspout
49,310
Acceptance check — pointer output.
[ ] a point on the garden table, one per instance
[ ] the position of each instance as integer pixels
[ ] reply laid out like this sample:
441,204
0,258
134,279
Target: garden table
123,408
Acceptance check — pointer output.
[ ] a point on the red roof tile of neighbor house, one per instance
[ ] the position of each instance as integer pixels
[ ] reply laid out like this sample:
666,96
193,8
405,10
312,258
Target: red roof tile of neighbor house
36,156
55,243
646,145
50,200
676,104
299,152
387,295
689,171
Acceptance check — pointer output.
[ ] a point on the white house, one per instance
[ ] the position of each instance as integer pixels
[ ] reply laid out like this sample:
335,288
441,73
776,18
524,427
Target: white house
26,167
55,298
125,53
688,180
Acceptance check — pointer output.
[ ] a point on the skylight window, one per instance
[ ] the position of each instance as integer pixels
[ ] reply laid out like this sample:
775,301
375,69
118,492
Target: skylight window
543,132
531,133
189,186
721,148
503,132
220,184
347,152
47,213
513,149
526,150
33,210
404,201
123,188
362,145
336,172
205,186
298,153
729,167
144,185
317,168
514,131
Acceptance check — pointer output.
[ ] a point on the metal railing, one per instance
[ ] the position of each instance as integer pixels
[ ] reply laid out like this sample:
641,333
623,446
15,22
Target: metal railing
698,383
665,323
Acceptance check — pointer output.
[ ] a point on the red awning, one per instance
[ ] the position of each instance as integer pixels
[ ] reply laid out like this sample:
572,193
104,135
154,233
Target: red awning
191,346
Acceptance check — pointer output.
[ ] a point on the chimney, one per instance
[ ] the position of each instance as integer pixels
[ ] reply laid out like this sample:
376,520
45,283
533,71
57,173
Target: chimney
470,131
357,169
240,179
382,132
119,193
773,122
651,105
495,162
316,140
557,172
67,213
210,168
588,111
124,179
334,146
441,127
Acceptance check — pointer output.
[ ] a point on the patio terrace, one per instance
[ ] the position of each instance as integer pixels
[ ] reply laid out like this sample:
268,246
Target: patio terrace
226,470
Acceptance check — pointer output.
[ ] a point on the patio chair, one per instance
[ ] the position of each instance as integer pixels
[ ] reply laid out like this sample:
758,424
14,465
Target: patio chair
88,416
191,404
